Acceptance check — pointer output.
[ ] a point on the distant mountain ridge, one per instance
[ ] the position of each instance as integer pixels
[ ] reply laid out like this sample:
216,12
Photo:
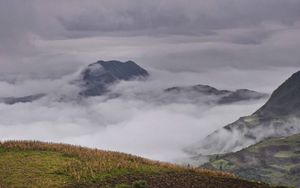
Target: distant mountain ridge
222,96
25,99
97,78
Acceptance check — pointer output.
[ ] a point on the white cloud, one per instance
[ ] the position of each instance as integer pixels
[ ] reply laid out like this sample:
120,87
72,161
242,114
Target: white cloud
133,124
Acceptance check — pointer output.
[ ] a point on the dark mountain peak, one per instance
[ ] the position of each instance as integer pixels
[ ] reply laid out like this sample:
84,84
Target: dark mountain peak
98,76
123,70
116,69
285,100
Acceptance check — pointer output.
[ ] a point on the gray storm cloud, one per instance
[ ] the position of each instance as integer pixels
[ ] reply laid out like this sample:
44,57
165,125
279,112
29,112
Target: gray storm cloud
56,37
179,17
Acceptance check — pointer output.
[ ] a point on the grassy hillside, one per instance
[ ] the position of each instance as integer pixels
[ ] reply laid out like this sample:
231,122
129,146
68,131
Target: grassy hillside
37,164
275,160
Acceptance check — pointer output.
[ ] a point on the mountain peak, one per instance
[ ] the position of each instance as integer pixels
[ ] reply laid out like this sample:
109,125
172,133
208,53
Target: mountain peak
123,70
285,100
98,76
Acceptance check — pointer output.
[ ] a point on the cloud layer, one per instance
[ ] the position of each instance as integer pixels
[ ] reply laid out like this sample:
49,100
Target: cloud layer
139,125
56,37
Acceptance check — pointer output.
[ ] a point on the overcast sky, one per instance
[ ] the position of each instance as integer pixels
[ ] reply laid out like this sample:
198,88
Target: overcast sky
228,44
55,37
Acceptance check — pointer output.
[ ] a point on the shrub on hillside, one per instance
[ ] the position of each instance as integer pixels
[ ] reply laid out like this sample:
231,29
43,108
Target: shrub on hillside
139,184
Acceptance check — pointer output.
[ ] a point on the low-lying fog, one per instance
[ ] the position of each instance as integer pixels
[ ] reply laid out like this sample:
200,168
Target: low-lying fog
135,122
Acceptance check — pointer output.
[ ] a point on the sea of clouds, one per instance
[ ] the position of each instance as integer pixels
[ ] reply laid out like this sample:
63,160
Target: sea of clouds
139,121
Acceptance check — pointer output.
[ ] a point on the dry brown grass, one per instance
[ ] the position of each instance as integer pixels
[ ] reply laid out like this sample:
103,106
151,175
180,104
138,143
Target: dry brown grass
40,164
95,160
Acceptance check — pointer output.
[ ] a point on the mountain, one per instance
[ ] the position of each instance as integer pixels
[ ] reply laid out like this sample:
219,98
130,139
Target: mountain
278,117
285,101
94,80
97,77
38,164
274,160
25,99
217,96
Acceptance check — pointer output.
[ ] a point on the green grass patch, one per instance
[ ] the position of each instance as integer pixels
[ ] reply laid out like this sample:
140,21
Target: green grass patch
222,164
29,168
38,164
284,154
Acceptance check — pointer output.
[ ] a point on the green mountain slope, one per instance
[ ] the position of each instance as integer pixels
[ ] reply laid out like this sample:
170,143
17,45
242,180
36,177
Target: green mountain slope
279,116
275,160
37,164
